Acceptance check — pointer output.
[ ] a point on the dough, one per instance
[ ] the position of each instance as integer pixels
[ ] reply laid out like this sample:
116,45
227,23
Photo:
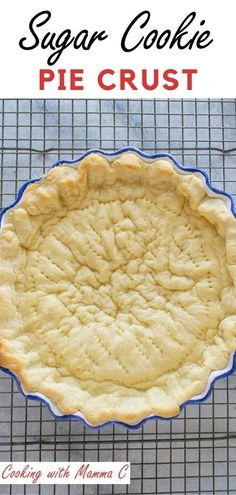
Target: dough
117,287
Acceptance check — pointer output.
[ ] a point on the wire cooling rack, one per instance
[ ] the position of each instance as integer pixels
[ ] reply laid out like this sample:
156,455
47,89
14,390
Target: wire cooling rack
195,454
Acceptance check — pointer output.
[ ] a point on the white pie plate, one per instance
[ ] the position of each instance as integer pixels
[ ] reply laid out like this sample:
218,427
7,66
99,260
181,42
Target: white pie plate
222,373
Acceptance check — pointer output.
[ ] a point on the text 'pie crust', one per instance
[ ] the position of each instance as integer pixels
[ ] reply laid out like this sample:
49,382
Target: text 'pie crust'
117,287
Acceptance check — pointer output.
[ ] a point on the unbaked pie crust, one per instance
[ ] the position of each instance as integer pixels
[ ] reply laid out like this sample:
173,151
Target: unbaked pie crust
117,287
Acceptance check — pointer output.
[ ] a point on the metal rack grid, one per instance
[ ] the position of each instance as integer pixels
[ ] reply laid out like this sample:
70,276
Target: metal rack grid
197,452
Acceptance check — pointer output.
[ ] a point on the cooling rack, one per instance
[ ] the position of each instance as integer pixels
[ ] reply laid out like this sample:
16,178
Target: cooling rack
195,454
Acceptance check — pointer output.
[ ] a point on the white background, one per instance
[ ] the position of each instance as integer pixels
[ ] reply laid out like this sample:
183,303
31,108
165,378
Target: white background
216,64
11,473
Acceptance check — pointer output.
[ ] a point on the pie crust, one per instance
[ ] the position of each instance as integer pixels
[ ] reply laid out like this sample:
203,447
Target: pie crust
117,287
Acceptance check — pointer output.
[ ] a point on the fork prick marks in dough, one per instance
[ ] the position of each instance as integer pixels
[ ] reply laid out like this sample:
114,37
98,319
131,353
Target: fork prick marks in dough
122,279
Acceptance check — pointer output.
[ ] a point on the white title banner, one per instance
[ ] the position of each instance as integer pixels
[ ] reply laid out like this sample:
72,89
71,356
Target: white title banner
119,49
64,473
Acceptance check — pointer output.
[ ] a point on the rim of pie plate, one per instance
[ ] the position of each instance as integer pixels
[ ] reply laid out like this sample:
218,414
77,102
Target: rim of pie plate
215,375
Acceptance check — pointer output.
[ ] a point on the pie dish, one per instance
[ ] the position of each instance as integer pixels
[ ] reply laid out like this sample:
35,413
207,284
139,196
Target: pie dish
117,287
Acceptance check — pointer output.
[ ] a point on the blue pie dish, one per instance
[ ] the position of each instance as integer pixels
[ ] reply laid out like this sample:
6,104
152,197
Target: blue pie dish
214,376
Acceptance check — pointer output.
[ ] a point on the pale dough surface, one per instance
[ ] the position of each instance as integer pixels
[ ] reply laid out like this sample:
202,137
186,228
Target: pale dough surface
117,289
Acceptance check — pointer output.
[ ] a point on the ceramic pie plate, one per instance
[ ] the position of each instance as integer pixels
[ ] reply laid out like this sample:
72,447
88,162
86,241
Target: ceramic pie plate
141,347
